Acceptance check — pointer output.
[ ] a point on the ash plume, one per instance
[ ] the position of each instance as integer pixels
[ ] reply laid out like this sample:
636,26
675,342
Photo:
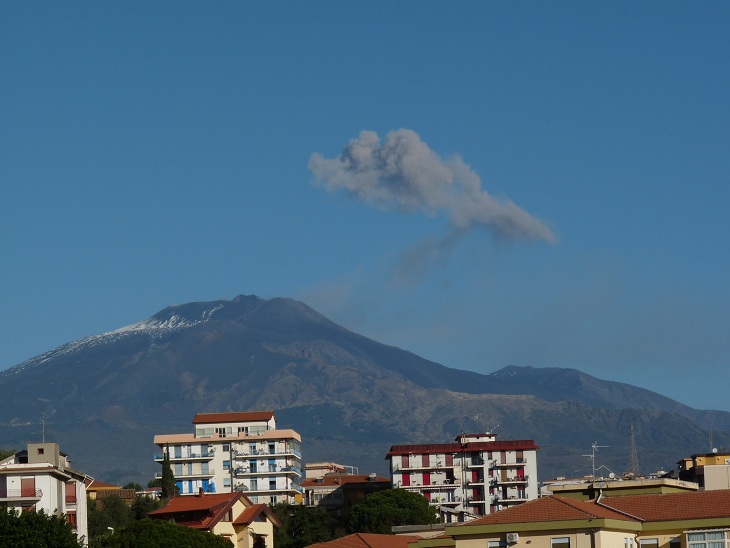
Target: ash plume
403,173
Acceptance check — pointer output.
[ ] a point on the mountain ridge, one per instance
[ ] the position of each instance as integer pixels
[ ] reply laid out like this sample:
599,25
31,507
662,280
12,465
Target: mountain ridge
346,394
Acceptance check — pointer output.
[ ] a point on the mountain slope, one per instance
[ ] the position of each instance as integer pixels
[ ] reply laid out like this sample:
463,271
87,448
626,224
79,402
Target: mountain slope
104,397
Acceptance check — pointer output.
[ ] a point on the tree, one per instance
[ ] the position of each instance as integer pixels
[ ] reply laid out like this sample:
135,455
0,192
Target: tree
144,505
381,511
35,530
133,485
169,489
152,533
4,454
111,511
301,526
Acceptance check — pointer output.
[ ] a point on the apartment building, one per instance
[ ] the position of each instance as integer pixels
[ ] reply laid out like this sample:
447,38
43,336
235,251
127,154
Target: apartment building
710,470
41,478
477,473
236,452
338,492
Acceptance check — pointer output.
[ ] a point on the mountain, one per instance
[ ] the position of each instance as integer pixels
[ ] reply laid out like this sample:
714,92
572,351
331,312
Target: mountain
104,397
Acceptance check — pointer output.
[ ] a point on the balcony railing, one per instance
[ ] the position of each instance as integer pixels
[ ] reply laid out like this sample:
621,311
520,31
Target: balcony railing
190,475
512,464
20,494
256,453
503,481
159,457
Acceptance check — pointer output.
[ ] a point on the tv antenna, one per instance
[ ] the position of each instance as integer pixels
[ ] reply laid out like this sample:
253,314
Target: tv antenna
594,449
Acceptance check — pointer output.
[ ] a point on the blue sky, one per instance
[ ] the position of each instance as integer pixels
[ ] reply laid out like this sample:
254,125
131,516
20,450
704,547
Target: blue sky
156,153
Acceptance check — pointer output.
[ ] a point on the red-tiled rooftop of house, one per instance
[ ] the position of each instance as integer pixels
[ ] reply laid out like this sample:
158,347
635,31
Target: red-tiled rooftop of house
244,416
368,540
252,512
551,508
673,506
96,484
208,509
343,479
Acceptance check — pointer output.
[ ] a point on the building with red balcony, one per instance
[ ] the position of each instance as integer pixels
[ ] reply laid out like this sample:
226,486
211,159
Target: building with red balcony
474,476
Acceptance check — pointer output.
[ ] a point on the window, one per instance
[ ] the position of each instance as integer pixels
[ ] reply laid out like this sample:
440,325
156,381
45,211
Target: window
226,482
70,492
71,519
41,450
649,542
628,542
226,447
226,465
254,485
496,544
560,542
272,484
706,539
254,468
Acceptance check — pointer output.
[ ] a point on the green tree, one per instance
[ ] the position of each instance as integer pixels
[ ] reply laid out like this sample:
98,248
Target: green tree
110,511
35,530
381,511
169,489
133,485
301,526
152,533
143,506
4,454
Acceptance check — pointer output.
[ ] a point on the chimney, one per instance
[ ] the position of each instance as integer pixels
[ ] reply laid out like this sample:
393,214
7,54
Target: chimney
200,492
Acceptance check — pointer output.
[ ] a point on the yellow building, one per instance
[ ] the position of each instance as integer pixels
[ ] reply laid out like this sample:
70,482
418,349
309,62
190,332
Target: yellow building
699,519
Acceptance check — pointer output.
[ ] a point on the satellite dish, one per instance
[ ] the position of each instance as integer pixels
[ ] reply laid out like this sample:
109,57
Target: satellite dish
714,449
612,475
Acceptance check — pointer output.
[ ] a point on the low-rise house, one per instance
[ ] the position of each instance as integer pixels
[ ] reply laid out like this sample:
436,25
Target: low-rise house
699,519
41,478
338,493
231,515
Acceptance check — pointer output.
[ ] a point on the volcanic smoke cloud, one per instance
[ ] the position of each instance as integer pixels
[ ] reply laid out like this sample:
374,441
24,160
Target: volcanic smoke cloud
404,173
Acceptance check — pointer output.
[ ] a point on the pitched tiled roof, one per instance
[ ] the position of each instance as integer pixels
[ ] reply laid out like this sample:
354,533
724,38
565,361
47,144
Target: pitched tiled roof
551,508
247,416
92,485
368,540
673,506
252,512
343,479
196,511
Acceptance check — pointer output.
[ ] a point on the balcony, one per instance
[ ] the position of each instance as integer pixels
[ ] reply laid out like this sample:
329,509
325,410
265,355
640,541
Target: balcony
188,475
515,464
516,480
159,457
506,501
474,463
438,467
257,453
21,495
264,471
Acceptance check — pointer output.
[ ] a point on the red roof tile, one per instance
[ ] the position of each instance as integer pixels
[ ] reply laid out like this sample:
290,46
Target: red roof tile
551,508
252,512
196,511
673,506
244,416
368,540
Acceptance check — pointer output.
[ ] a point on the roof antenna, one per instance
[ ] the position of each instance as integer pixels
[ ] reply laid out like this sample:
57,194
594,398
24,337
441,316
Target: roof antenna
634,456
594,448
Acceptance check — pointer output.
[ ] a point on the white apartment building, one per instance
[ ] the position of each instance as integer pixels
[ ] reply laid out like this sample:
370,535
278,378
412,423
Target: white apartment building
41,478
231,452
476,474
